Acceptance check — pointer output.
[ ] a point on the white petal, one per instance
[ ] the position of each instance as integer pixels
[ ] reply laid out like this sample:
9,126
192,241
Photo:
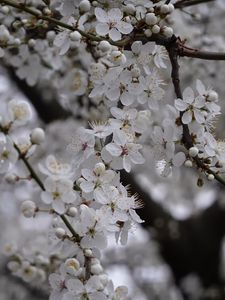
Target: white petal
168,133
199,116
55,281
124,27
58,206
65,47
97,296
87,186
188,95
114,34
114,149
180,105
179,159
46,197
67,296
136,158
136,47
127,99
102,29
200,87
115,14
199,102
87,174
69,197
119,137
101,15
126,163
135,216
60,39
113,93
187,117
75,286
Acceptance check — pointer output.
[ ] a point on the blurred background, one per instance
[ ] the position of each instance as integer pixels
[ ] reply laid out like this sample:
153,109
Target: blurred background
179,252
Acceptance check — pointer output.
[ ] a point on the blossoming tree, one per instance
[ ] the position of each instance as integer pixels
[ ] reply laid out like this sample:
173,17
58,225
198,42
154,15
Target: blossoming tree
109,65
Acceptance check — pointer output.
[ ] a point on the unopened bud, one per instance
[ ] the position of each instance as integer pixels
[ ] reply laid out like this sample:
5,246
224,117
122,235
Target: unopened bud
28,209
193,151
37,136
60,233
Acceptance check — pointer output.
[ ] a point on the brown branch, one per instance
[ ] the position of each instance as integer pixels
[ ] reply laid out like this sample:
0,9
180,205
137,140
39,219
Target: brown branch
186,3
196,53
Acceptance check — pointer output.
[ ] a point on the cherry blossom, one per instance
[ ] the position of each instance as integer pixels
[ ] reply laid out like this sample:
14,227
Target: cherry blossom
127,151
111,23
58,193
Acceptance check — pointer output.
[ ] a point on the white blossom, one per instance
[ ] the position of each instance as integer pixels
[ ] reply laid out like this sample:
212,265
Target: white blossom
111,23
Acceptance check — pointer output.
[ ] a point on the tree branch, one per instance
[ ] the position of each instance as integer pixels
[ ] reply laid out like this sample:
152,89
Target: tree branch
187,3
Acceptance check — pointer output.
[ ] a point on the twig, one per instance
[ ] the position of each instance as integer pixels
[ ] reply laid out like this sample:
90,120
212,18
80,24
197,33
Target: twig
195,53
41,185
39,15
186,3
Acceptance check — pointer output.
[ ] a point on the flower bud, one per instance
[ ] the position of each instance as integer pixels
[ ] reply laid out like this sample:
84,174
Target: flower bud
5,9
28,209
148,33
104,46
151,19
211,177
75,36
129,9
193,151
155,29
164,9
72,211
171,7
4,34
212,96
31,43
88,252
167,31
85,6
37,136
17,42
60,233
47,11
188,163
51,36
11,178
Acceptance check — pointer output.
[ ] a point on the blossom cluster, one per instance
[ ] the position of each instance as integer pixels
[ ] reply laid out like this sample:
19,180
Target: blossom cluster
101,53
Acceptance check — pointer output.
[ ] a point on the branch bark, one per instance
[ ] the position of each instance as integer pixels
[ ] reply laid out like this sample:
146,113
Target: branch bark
186,3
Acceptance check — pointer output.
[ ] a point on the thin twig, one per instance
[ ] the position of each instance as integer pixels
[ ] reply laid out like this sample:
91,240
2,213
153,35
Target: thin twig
41,185
36,13
187,3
